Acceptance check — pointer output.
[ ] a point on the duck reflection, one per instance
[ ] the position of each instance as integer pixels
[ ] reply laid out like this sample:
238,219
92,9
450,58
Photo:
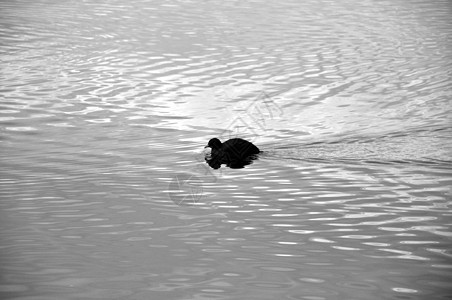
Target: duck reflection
235,153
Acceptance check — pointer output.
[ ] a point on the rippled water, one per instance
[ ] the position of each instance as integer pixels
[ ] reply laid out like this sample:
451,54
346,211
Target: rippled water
107,105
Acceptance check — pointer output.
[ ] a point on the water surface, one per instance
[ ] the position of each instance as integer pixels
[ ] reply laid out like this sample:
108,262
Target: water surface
106,107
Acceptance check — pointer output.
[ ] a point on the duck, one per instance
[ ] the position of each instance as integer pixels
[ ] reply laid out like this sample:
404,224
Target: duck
235,153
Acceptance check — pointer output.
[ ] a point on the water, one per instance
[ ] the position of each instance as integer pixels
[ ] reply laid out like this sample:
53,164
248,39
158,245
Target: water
106,108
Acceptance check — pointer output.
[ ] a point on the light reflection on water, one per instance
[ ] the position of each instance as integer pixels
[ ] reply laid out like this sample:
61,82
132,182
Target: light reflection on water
106,105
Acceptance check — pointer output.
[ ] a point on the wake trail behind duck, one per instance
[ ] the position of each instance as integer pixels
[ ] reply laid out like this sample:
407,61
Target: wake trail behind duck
432,148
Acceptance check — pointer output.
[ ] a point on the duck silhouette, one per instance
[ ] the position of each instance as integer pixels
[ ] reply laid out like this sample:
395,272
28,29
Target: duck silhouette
235,153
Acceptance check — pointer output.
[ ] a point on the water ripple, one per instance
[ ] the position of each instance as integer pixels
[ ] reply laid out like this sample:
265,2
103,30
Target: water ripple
103,104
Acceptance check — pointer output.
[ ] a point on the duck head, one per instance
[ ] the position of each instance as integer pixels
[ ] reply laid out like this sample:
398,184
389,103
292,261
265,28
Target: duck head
214,144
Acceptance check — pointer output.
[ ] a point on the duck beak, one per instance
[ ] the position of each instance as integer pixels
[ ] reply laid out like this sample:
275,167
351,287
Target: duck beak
207,150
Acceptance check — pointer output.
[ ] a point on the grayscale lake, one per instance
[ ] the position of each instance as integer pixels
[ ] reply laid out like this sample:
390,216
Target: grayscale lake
105,110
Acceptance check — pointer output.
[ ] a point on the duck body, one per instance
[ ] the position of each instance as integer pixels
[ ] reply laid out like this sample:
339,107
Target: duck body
235,153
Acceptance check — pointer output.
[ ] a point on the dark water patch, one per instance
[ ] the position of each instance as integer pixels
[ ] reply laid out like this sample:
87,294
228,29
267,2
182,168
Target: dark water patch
364,161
